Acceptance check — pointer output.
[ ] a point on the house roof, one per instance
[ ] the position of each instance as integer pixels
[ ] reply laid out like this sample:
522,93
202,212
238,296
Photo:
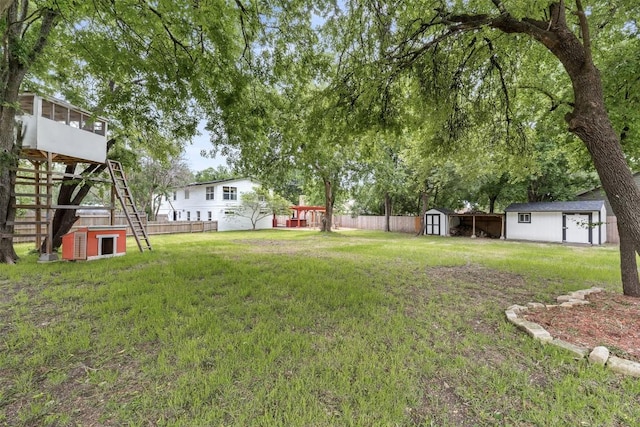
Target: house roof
578,206
221,181
636,176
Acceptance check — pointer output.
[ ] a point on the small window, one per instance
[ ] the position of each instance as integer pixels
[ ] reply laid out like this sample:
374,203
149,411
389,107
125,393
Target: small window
209,216
210,192
186,193
229,193
524,217
61,114
188,216
175,195
47,109
99,127
26,104
75,118
197,215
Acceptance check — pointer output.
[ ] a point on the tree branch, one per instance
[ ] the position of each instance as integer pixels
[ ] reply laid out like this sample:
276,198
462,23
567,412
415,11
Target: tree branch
584,29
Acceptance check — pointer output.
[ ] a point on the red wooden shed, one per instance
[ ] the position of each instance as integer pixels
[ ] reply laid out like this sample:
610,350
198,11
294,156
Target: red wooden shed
95,242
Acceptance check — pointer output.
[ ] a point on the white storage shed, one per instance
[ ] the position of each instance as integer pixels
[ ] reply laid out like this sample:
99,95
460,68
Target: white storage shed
562,222
436,222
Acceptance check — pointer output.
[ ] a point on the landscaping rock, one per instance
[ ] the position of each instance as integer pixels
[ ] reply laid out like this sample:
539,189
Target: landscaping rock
511,314
623,366
517,308
535,305
535,330
565,298
575,349
599,355
578,294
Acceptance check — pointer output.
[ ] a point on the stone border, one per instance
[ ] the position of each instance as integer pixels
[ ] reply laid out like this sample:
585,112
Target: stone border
597,356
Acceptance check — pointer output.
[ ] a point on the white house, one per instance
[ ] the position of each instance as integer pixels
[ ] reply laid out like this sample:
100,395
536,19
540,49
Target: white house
212,201
569,222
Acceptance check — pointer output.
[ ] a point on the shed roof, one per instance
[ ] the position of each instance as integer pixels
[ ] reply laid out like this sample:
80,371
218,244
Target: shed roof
576,206
442,210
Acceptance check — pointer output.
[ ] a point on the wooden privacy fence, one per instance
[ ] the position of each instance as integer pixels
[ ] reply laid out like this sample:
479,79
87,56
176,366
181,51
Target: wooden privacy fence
402,224
612,230
152,227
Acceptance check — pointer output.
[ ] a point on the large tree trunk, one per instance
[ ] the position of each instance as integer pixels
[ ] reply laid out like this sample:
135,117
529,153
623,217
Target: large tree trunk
590,122
387,211
327,220
492,203
9,153
20,49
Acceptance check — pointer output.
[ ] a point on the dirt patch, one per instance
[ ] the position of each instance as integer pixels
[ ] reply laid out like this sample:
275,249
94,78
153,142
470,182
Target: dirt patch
611,320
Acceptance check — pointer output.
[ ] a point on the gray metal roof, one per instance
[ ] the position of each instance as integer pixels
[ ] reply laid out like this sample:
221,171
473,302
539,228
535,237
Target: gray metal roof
578,206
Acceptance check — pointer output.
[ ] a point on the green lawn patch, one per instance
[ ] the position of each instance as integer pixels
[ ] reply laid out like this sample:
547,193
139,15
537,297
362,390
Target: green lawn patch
287,328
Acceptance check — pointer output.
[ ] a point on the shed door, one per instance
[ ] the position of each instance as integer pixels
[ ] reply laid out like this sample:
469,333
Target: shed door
576,228
433,224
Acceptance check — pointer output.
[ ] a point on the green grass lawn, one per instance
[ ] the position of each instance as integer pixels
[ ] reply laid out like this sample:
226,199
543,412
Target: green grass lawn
296,328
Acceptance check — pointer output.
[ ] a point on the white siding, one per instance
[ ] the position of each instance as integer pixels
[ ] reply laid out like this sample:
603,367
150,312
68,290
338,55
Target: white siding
444,222
547,227
44,134
544,227
197,202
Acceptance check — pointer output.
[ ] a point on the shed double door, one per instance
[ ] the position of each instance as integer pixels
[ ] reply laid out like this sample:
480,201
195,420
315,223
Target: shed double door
576,228
432,224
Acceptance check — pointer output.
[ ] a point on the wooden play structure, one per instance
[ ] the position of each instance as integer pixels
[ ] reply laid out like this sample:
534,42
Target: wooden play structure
55,132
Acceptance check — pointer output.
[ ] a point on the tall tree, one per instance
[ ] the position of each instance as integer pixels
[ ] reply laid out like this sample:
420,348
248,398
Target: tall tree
25,33
419,35
151,179
150,67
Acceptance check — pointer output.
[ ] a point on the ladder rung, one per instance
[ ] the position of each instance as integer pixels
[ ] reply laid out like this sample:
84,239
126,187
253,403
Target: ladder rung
23,206
32,195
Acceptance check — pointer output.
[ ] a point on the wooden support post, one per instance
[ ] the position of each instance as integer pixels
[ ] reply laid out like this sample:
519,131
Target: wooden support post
38,201
473,232
48,255
502,231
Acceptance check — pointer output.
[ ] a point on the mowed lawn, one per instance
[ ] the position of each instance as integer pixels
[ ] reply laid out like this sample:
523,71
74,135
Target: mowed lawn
296,328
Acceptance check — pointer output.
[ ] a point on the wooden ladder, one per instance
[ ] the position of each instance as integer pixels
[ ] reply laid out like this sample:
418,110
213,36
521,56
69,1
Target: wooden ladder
126,200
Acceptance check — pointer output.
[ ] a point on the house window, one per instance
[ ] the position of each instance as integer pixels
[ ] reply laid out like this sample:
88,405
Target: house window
210,192
175,195
197,215
524,217
229,193
188,216
186,193
209,216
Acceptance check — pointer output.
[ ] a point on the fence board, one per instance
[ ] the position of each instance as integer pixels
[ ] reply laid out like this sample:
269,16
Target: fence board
152,227
612,230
